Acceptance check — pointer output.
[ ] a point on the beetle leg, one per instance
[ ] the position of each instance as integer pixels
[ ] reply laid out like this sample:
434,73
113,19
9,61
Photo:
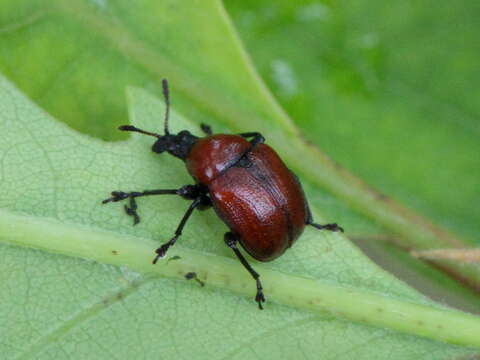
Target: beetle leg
132,210
330,227
231,241
189,192
207,129
162,250
257,138
309,221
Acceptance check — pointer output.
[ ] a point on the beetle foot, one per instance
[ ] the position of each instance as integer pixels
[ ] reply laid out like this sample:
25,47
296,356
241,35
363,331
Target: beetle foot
333,227
330,227
116,196
259,297
162,250
132,211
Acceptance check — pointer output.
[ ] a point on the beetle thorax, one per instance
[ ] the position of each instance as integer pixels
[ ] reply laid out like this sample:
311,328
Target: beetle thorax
214,154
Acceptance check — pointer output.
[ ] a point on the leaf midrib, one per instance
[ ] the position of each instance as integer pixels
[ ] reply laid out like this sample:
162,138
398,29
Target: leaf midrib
357,305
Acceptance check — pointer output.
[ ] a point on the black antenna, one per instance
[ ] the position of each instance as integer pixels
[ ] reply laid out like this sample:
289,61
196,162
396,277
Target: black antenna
166,96
133,128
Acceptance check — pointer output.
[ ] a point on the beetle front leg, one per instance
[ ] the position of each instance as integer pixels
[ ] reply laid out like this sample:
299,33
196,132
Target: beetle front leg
231,240
189,192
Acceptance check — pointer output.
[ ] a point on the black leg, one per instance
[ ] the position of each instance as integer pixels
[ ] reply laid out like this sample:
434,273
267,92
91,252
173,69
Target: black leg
162,250
131,210
257,138
231,241
207,129
187,192
309,220
330,227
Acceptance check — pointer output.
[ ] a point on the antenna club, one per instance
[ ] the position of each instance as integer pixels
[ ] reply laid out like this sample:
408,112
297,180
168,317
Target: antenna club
127,128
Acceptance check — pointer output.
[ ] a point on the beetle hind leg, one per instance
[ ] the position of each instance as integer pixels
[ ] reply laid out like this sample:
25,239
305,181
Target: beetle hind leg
330,227
231,240
309,221
259,297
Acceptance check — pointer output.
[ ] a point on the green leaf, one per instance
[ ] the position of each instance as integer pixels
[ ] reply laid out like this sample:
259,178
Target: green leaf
74,59
58,306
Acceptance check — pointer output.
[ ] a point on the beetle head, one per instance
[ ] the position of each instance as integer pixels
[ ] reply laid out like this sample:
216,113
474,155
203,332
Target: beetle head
178,145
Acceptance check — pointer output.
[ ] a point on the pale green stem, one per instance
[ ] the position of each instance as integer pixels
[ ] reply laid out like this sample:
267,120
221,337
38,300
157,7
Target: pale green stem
362,306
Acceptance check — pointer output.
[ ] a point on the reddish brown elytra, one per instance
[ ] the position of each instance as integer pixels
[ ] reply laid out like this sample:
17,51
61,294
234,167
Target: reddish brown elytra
247,184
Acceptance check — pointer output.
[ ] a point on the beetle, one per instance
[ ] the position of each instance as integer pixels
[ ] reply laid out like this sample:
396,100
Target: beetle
244,180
